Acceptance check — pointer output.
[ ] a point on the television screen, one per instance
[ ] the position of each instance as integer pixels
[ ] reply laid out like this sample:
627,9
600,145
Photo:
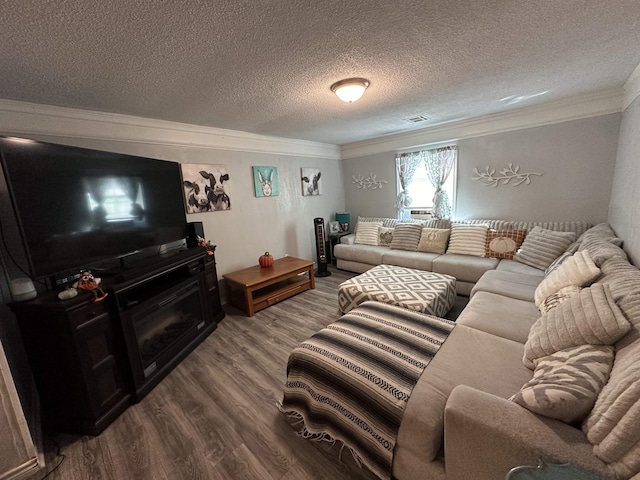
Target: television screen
77,207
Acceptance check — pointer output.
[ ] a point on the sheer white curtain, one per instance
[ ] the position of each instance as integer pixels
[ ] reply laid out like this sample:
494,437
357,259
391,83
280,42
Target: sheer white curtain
439,163
406,164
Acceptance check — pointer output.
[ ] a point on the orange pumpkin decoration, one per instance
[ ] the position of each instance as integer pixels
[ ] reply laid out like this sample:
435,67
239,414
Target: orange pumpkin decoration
266,260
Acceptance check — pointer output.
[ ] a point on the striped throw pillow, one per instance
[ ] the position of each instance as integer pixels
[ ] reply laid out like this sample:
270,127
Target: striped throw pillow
541,247
367,233
406,236
504,243
565,385
468,239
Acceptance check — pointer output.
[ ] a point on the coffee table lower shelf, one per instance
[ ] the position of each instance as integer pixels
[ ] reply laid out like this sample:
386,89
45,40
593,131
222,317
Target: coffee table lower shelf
254,288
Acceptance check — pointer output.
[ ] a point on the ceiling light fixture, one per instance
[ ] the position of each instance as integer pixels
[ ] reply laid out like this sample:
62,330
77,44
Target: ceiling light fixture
350,89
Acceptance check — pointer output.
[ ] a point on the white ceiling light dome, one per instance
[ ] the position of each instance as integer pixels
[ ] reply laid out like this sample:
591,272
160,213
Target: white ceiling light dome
350,89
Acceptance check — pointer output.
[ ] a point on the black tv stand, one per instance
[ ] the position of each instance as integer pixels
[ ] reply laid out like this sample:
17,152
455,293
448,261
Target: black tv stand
86,356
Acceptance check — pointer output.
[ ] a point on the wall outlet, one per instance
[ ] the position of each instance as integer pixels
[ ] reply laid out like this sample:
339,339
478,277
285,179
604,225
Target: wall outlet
286,254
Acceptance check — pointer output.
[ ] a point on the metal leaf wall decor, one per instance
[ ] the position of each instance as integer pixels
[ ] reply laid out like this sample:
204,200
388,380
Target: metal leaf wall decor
504,176
371,181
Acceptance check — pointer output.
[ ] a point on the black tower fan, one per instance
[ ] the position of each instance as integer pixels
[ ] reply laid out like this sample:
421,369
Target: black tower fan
321,247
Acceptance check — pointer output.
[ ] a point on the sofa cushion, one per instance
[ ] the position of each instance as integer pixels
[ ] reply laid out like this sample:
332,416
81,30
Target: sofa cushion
464,267
503,243
565,385
613,426
468,357
509,284
406,236
385,235
505,317
403,258
517,267
541,247
468,239
440,223
576,227
360,253
578,270
434,240
591,317
367,234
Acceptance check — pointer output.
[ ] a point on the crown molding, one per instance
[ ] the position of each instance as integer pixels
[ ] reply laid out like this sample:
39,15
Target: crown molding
24,118
584,106
632,88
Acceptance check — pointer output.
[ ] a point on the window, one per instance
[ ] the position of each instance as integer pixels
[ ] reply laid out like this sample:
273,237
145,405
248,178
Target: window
421,190
418,171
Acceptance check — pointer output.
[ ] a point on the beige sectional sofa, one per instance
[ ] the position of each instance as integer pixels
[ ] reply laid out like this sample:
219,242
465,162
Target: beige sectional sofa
466,268
483,407
459,422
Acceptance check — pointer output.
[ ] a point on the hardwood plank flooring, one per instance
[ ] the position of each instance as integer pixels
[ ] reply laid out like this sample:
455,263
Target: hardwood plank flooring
215,416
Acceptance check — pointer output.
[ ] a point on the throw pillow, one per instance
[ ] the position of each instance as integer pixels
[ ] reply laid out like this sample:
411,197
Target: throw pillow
503,243
433,240
542,246
566,384
468,239
577,270
555,299
557,262
367,233
613,426
406,236
385,235
591,317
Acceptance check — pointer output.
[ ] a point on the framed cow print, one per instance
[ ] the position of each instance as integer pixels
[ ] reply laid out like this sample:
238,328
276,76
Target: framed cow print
311,181
206,187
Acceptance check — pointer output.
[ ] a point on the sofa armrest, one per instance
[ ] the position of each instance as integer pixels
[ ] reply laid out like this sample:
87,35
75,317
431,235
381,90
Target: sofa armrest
348,239
486,436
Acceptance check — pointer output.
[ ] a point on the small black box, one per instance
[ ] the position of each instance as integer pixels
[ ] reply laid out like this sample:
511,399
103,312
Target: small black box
194,229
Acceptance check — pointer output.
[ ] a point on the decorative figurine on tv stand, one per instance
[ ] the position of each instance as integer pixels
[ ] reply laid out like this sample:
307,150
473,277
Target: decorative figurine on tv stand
91,284
203,243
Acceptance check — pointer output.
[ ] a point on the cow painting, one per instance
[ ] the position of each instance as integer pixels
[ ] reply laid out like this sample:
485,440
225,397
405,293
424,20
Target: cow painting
311,184
206,187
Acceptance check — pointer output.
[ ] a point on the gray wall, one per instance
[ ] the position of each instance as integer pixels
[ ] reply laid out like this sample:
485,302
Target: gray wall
624,209
282,225
368,202
576,159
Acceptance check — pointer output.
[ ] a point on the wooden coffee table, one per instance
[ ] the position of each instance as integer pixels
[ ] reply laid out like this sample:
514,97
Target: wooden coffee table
254,288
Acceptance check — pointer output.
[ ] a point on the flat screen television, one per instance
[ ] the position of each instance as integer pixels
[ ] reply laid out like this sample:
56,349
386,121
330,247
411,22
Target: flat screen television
77,207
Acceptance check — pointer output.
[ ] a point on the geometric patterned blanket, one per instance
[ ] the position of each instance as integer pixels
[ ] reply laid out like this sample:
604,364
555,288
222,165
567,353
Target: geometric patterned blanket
418,290
350,382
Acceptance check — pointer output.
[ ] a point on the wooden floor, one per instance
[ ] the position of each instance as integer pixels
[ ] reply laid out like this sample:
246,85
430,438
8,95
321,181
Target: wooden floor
215,416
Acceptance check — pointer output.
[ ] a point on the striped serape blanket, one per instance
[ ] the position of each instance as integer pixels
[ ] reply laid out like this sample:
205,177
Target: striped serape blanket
351,381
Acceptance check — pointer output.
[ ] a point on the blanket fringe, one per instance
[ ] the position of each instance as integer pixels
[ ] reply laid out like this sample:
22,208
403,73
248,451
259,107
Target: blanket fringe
298,420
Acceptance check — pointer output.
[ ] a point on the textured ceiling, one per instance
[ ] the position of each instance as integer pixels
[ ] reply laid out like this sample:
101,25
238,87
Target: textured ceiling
265,66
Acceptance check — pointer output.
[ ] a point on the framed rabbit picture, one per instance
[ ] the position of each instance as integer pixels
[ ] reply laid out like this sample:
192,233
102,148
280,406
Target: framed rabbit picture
265,181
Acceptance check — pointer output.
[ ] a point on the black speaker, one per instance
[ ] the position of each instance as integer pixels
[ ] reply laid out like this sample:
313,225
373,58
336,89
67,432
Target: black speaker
194,229
321,248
